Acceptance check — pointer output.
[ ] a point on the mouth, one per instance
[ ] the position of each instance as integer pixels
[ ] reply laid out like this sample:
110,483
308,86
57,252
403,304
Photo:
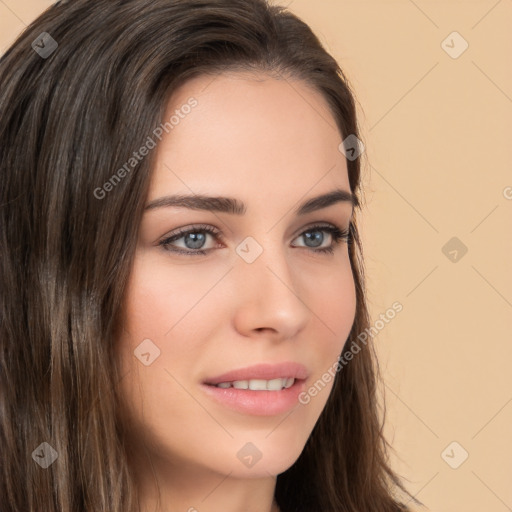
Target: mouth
258,384
261,376
261,390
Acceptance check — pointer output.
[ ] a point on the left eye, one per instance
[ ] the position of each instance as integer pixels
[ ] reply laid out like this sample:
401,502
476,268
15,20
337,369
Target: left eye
194,238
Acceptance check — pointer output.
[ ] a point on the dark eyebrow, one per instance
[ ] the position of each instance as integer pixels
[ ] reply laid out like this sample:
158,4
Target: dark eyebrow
236,207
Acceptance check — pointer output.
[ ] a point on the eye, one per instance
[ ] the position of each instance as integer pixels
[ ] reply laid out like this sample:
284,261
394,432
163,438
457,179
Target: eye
336,234
195,237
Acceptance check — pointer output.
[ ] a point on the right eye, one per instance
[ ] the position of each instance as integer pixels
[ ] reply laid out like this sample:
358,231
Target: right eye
203,231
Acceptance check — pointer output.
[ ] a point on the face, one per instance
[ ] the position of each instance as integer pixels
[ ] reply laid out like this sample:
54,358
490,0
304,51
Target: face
250,295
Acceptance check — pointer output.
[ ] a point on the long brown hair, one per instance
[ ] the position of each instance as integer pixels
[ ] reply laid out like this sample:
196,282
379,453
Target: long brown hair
76,103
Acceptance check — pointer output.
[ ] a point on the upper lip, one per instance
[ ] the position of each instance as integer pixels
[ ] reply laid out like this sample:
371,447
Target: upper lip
262,371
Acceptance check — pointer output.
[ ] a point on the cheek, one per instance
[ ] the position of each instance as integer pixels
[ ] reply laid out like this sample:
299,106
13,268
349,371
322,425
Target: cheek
334,305
162,300
156,350
340,300
167,314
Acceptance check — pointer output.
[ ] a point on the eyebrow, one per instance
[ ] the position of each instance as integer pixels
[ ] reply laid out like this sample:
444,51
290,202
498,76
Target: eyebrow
235,207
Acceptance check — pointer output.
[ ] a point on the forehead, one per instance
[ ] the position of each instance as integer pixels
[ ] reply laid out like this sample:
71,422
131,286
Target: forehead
248,132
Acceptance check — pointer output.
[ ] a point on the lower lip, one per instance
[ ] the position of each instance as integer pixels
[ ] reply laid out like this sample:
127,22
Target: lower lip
258,403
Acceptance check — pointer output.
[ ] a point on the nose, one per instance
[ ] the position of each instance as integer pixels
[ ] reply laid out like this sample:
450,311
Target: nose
269,296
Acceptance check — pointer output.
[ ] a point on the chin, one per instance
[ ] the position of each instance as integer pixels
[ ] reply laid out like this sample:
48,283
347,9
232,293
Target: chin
259,457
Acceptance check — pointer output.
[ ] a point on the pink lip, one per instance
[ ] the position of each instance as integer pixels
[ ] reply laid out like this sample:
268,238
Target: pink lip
262,371
259,403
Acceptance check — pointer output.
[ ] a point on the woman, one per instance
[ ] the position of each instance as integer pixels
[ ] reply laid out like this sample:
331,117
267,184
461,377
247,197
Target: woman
181,270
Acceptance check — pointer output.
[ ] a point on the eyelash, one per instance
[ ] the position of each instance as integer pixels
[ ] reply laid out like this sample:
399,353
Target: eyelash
337,236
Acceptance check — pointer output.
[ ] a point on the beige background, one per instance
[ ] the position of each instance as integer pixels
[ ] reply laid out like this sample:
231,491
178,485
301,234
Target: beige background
437,165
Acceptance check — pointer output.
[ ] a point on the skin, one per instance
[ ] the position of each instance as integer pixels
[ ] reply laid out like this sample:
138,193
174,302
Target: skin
272,146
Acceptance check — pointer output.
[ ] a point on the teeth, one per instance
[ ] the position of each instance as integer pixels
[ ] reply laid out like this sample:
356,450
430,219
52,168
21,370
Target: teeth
259,384
239,384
